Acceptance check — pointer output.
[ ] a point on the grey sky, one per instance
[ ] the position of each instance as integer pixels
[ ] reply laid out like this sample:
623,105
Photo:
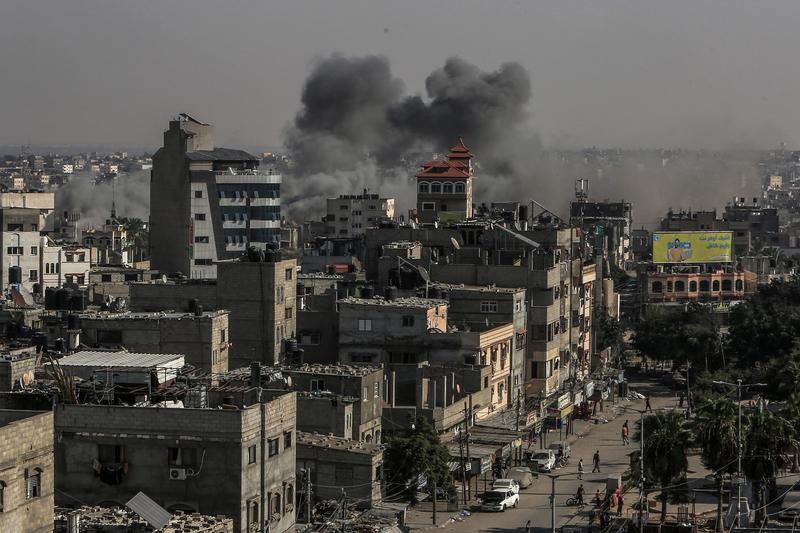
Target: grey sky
605,73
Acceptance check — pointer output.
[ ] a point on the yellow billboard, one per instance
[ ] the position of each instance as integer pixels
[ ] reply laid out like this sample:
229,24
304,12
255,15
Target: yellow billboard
692,247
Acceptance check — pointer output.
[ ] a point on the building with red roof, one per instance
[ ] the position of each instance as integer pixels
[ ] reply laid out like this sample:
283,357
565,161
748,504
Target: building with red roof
444,187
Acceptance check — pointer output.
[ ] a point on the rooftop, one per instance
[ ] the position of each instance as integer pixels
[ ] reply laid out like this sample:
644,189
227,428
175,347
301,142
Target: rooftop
334,370
408,302
320,275
161,315
337,443
92,517
476,288
219,154
121,359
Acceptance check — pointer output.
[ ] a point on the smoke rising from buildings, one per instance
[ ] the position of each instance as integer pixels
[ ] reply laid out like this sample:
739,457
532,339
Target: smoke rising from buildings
93,201
357,129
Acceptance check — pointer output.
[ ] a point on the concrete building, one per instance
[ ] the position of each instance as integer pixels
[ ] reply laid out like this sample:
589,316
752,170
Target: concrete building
615,219
334,462
318,316
64,263
712,285
26,477
260,296
17,369
106,519
350,215
20,246
208,203
202,337
110,242
365,383
444,187
238,461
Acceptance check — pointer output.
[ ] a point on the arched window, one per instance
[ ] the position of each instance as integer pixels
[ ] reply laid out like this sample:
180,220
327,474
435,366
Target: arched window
727,285
461,187
669,286
739,285
275,505
704,285
657,287
692,286
424,187
715,285
289,495
447,188
369,439
378,437
47,268
436,188
680,286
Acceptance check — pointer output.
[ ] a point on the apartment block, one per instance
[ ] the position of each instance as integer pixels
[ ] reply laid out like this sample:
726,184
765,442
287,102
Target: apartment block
350,215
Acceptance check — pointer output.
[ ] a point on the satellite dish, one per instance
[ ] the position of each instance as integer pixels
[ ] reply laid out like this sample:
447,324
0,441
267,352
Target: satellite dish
455,243
27,378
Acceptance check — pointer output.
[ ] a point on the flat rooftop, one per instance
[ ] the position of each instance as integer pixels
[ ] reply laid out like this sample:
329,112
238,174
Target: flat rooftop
407,303
332,370
476,288
320,275
160,315
331,442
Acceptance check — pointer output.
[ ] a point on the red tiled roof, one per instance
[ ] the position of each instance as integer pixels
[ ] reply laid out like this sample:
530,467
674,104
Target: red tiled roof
460,150
449,173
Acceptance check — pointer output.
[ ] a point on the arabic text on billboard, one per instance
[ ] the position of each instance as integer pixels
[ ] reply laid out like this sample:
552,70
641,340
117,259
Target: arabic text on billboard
692,247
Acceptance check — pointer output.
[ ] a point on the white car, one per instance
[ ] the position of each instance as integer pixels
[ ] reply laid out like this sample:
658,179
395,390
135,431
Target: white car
545,460
522,475
499,500
506,484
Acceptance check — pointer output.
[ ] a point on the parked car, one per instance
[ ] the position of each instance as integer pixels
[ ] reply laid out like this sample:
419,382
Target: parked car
544,460
522,475
499,500
563,445
506,484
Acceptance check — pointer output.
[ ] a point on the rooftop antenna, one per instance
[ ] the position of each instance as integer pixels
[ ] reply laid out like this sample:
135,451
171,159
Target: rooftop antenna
114,199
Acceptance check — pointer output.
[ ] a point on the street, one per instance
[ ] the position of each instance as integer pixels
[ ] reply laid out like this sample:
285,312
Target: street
535,500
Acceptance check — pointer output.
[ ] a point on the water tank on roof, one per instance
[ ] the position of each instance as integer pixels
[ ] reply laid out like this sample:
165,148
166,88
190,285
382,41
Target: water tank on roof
14,275
77,301
367,292
390,292
50,299
291,345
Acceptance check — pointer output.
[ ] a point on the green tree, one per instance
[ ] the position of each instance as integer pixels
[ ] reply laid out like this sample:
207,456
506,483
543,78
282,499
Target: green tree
138,238
768,441
609,333
667,436
716,430
416,452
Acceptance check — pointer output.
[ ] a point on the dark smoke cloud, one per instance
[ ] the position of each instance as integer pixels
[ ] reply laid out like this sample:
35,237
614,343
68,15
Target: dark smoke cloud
356,129
93,201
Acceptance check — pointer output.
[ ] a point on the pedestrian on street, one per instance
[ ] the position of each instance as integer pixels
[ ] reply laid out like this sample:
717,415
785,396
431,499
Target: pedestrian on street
598,498
528,527
647,404
579,494
620,504
625,431
580,468
596,461
681,397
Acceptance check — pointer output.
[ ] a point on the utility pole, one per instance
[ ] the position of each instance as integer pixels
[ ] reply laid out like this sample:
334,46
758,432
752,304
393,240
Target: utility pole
466,436
516,427
308,493
463,468
641,471
739,386
688,392
434,499
553,505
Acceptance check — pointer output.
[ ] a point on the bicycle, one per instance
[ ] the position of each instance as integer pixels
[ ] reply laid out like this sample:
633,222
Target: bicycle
574,501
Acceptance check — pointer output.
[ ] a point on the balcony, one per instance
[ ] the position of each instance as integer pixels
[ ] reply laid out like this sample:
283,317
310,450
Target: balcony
545,279
544,314
541,386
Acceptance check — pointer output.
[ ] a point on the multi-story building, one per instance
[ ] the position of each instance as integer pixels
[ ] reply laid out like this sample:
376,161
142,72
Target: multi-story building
350,215
719,284
208,203
238,461
616,221
260,296
20,247
110,242
444,187
64,263
26,476
203,336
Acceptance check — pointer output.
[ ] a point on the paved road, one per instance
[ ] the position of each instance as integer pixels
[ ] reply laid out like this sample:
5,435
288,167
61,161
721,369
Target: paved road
535,500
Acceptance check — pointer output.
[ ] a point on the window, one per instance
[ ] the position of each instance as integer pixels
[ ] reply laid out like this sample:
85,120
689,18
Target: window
15,227
343,207
365,394
715,285
131,277
692,286
204,262
252,512
739,285
680,286
461,188
704,285
110,453
424,188
317,384
727,285
376,388
2,495
33,484
489,306
287,313
275,503
34,275
222,335
198,194
669,286
289,497
272,446
447,188
251,454
436,188
408,321
657,287
34,250
287,439
14,250
105,278
428,206
361,357
199,216
201,239
364,324
288,274
310,338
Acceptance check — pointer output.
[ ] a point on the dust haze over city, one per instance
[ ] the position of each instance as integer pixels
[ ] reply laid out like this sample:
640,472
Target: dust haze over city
296,266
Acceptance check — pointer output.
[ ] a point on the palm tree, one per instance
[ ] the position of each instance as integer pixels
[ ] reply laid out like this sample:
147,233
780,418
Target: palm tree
769,440
667,437
716,433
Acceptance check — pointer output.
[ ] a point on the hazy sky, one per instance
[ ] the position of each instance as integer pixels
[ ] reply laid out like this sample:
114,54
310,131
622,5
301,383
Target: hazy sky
605,73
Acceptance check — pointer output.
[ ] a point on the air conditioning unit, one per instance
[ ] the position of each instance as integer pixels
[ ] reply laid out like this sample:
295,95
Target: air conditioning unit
177,474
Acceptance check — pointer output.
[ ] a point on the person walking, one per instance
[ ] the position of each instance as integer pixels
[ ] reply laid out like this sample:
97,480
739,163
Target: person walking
647,404
596,461
579,494
580,468
528,527
625,431
620,505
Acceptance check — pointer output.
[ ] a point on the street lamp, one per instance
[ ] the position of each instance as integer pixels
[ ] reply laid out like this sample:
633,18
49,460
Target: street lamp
739,386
